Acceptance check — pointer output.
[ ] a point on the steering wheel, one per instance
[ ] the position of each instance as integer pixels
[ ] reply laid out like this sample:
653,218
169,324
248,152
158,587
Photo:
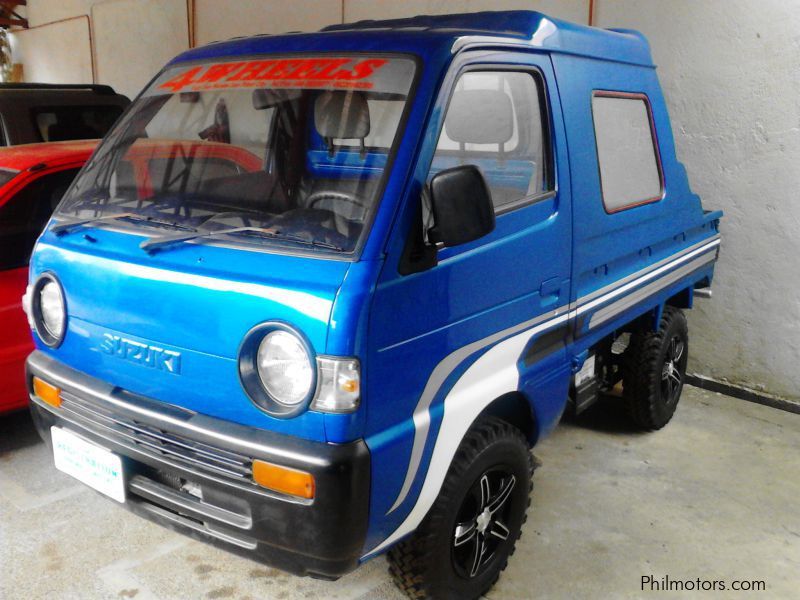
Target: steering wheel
333,195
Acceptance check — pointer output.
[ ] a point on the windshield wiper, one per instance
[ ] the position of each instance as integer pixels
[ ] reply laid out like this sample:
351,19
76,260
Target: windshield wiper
163,241
65,226
289,237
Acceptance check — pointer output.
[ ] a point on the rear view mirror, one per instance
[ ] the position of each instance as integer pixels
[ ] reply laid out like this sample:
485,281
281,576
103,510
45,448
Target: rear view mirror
462,206
270,98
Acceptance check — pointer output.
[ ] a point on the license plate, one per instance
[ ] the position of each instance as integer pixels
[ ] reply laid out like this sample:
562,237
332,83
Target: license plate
94,466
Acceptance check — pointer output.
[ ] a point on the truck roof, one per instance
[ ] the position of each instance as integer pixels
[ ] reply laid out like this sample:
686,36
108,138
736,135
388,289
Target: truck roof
103,90
429,33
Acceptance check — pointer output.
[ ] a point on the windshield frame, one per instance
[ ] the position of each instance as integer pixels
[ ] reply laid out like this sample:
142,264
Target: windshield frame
120,129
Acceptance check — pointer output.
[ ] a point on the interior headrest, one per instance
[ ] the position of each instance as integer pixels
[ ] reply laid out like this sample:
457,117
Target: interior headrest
63,132
342,115
480,117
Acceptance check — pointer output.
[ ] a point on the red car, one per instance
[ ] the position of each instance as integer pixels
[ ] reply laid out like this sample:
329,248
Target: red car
33,177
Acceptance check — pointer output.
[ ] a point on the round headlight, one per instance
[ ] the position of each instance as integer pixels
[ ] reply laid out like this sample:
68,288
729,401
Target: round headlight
49,311
285,368
52,303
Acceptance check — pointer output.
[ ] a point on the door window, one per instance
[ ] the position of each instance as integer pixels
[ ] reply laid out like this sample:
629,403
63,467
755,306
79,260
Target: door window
496,121
24,216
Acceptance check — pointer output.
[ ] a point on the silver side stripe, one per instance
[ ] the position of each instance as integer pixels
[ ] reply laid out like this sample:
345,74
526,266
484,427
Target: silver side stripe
626,302
672,258
584,305
442,371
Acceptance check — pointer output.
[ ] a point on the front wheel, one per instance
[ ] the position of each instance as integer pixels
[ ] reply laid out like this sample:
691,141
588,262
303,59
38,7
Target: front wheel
464,542
654,370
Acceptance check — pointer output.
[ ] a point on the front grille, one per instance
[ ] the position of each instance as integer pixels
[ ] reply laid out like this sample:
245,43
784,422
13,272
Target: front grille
158,443
164,495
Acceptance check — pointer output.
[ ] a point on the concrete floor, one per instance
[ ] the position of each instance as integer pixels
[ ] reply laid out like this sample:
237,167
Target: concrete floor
714,495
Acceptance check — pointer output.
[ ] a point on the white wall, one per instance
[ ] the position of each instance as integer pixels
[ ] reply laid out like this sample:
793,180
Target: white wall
730,70
40,12
135,38
356,10
59,52
120,42
730,74
223,19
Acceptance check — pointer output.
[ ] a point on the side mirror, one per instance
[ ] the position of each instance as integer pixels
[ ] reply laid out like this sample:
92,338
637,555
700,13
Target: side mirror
462,206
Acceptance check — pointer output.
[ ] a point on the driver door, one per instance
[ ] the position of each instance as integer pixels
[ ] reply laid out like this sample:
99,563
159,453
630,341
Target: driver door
427,327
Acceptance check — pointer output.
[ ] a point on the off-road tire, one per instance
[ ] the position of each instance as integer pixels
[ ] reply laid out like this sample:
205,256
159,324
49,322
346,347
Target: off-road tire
422,566
644,363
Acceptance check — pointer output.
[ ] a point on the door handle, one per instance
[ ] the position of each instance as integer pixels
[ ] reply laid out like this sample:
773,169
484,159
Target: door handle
550,289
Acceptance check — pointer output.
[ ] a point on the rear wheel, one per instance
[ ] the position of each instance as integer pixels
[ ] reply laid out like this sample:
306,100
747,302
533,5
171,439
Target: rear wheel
464,542
655,369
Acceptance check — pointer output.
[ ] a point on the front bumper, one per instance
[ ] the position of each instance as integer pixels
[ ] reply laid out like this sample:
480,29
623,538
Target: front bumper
192,473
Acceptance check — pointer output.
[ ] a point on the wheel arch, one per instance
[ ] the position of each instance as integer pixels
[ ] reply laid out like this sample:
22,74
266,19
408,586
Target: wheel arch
515,409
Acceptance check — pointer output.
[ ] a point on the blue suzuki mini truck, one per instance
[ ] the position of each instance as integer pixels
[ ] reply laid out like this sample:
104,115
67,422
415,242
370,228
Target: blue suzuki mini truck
316,296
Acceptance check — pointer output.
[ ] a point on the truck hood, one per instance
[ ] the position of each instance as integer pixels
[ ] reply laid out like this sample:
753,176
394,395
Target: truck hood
169,325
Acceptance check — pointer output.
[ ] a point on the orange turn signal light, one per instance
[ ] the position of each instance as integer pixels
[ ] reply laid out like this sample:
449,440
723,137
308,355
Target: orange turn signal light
47,392
350,386
283,479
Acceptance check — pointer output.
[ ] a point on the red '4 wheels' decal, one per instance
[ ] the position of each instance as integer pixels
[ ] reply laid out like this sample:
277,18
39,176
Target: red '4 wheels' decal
282,72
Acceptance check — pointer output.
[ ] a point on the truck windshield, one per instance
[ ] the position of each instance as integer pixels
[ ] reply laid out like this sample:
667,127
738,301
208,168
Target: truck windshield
270,151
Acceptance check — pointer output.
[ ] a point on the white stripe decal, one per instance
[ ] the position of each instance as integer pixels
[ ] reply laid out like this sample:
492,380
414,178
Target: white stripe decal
422,417
489,379
495,373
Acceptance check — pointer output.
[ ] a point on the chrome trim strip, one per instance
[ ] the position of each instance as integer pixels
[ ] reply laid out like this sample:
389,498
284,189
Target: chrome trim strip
437,378
242,542
161,494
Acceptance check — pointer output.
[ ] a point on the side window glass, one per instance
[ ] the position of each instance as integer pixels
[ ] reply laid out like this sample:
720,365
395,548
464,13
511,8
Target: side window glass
627,154
74,122
7,175
23,216
496,121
